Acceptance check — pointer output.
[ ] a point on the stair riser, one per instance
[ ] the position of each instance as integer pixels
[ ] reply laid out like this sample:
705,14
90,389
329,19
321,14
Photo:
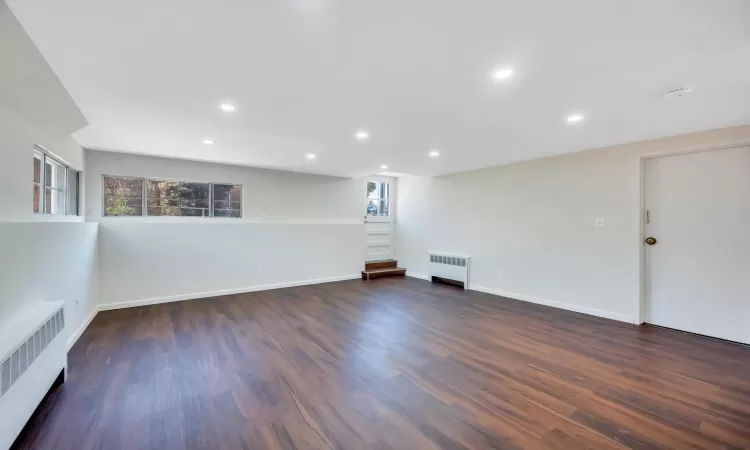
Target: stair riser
380,265
375,276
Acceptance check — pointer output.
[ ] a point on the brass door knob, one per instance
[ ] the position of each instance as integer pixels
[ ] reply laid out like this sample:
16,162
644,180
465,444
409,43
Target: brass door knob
650,240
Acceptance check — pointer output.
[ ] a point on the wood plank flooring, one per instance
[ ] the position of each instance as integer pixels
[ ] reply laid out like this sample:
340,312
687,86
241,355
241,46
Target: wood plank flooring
390,364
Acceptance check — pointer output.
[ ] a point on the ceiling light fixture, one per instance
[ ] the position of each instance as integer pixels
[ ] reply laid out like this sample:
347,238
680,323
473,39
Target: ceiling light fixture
434,153
384,166
227,107
502,74
574,118
362,135
311,156
208,142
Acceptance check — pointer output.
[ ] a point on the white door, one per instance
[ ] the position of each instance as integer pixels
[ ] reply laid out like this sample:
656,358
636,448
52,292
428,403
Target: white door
698,271
378,216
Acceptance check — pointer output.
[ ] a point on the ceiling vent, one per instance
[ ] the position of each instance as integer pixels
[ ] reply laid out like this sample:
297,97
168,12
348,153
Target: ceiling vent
679,92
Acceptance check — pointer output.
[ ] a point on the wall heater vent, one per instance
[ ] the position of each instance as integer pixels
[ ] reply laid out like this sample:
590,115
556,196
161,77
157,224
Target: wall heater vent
21,358
450,269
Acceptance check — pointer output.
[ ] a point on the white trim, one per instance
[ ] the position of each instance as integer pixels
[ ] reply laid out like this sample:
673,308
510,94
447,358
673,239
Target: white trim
555,304
540,301
77,333
417,275
243,290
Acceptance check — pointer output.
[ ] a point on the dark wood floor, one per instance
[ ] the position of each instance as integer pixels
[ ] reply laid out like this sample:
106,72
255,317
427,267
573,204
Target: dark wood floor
390,364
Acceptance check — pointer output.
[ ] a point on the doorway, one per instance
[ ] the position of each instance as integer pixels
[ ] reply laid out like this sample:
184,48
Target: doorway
378,217
697,243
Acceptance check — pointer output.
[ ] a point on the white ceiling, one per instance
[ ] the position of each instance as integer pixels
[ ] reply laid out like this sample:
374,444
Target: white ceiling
306,74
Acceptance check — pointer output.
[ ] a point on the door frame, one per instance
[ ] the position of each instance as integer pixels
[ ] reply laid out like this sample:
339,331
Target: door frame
640,316
390,219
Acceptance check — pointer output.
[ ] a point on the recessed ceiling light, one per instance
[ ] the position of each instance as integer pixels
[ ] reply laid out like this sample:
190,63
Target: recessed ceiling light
227,107
502,74
574,118
311,156
362,135
434,153
208,142
384,166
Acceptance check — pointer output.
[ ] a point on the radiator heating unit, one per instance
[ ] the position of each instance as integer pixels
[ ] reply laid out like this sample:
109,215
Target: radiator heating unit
449,268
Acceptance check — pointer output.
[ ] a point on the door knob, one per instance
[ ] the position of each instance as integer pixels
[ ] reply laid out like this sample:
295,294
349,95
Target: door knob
650,240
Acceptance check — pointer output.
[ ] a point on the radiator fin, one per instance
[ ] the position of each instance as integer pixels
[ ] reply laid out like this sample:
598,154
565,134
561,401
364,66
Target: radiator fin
14,366
448,260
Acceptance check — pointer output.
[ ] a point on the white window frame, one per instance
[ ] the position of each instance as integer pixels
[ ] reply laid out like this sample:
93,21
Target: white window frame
144,197
45,155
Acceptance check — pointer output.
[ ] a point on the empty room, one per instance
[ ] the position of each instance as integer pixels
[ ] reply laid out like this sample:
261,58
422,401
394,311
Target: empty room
377,225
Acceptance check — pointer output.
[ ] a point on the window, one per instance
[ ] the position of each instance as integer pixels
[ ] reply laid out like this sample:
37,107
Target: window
127,196
123,196
177,198
377,198
55,186
227,200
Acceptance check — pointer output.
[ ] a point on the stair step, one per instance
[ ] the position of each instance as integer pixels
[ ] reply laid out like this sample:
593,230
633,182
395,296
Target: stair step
373,274
383,264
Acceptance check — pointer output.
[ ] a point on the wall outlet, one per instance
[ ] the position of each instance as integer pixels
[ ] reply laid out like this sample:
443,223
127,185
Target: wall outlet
262,270
78,302
599,223
500,273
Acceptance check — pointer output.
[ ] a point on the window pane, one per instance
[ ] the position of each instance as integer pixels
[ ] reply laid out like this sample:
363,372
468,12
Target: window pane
383,207
73,177
175,198
37,197
227,200
123,196
372,208
55,186
194,199
47,199
37,167
372,190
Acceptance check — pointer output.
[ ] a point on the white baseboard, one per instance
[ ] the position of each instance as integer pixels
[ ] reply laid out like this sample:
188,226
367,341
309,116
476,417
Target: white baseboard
421,276
541,301
77,333
243,290
556,304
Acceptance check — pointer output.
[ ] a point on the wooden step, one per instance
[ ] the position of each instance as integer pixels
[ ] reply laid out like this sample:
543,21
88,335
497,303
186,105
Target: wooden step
383,264
373,274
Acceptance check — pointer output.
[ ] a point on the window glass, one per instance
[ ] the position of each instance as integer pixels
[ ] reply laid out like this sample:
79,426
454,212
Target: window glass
73,179
176,198
54,186
227,200
37,180
123,196
377,198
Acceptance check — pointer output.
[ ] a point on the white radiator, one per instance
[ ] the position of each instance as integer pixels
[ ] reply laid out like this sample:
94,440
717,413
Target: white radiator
32,355
451,267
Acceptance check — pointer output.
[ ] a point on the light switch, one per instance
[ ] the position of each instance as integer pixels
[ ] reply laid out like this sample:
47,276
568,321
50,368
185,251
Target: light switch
599,223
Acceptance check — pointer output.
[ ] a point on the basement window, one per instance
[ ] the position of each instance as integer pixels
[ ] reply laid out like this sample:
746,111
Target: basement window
141,197
55,186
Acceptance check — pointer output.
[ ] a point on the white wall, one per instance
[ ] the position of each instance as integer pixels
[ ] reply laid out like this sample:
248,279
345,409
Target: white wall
299,228
49,261
529,226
